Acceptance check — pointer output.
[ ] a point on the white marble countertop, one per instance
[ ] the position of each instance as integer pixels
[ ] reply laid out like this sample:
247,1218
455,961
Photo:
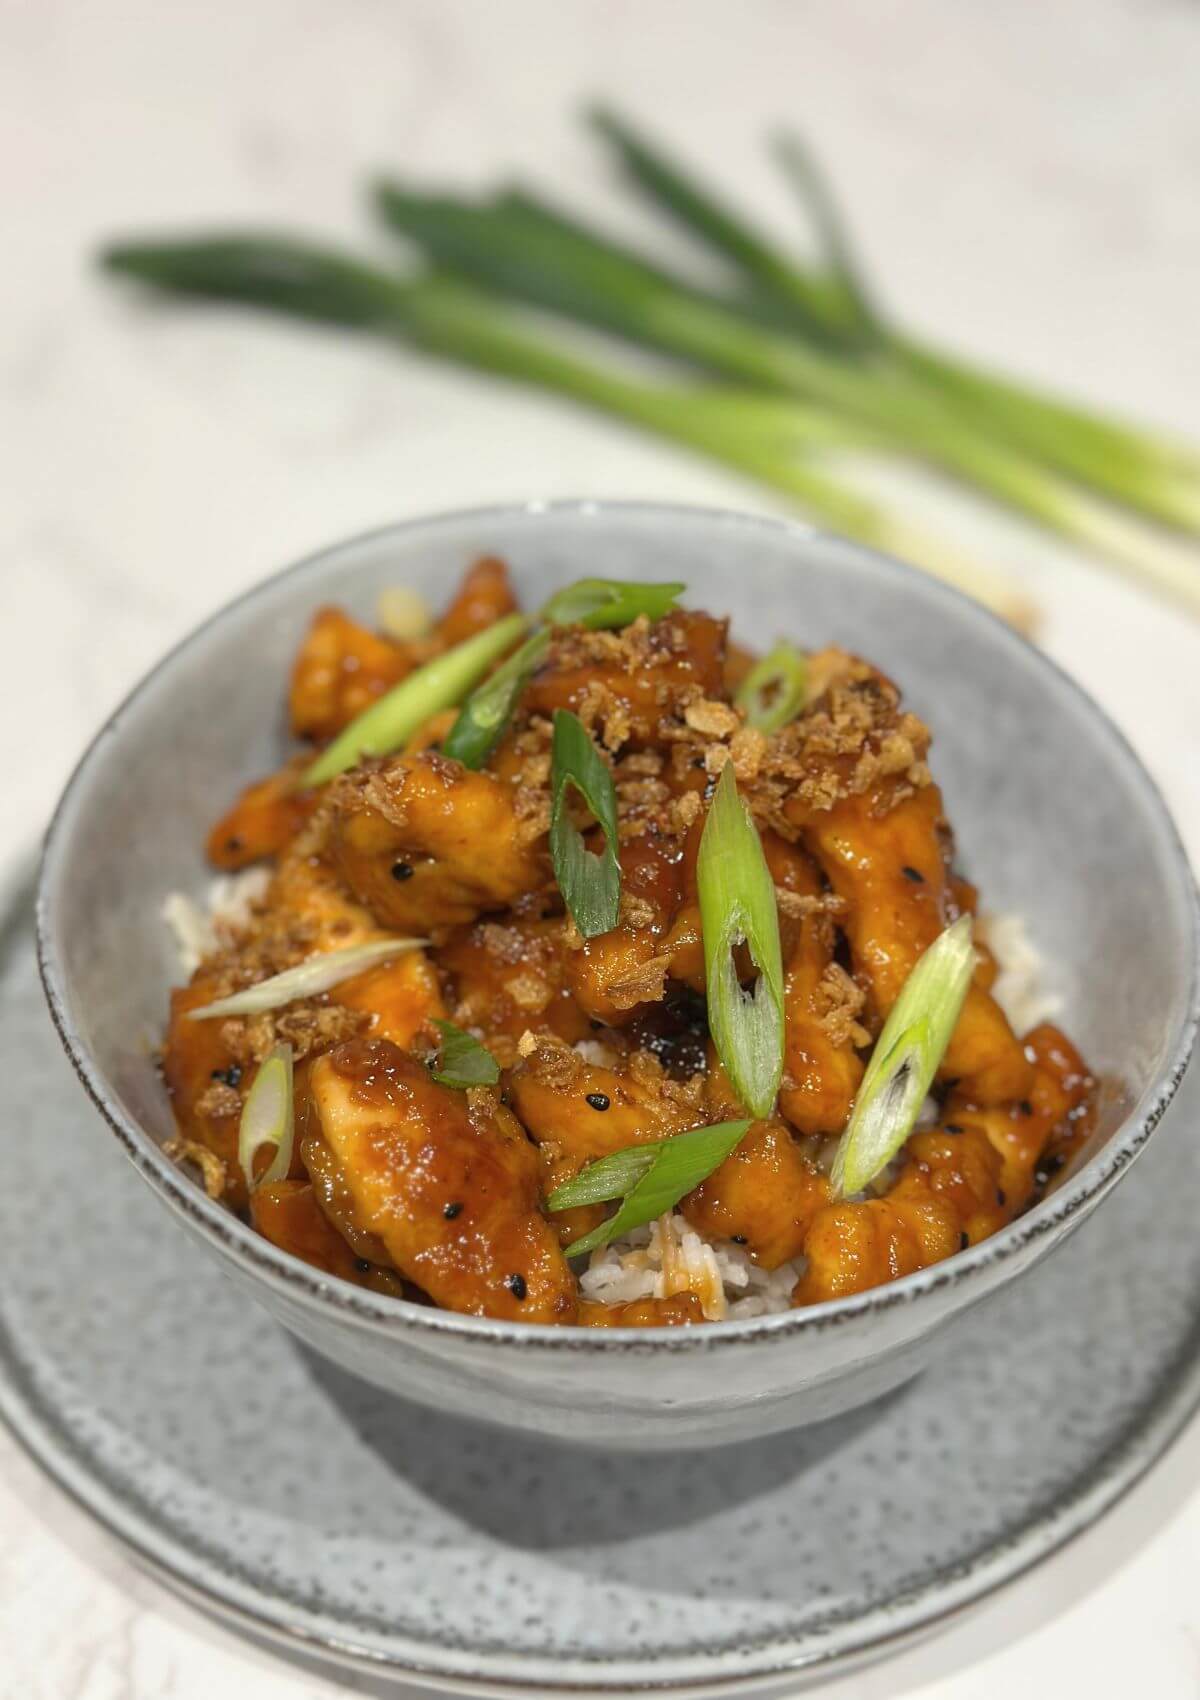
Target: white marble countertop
1028,172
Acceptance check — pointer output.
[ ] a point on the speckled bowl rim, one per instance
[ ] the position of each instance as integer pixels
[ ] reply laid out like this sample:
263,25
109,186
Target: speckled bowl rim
976,1271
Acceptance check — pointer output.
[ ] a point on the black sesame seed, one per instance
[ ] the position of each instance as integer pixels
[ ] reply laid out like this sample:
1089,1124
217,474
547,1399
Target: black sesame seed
952,1127
738,1239
964,1241
698,761
913,874
516,1286
598,1100
234,844
594,1024
361,1264
1025,1107
402,870
451,1211
1048,1168
231,1075
1001,1197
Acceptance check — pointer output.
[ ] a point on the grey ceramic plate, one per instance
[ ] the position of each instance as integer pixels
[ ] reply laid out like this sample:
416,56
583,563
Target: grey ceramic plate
278,1490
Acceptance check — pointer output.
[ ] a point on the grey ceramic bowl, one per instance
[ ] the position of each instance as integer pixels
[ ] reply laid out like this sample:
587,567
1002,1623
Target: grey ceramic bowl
1056,820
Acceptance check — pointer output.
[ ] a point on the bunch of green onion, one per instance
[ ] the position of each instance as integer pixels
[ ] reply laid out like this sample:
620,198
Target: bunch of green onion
786,367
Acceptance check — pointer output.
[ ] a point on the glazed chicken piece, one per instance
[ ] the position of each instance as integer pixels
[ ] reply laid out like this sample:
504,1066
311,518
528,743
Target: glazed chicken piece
765,1192
659,937
209,1065
484,596
426,843
310,912
509,978
888,864
822,1069
1055,1113
207,1078
287,1213
763,1196
340,670
852,1246
856,788
263,821
612,974
627,683
960,1182
446,1180
577,1111
947,1195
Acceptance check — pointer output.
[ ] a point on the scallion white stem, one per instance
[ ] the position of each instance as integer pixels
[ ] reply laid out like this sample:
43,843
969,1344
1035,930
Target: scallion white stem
307,979
905,1059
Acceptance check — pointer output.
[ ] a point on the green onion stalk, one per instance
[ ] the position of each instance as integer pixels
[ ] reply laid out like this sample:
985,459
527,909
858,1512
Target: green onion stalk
439,684
905,1060
483,719
521,249
767,437
648,1179
268,1119
605,604
737,907
317,974
774,690
1154,475
590,883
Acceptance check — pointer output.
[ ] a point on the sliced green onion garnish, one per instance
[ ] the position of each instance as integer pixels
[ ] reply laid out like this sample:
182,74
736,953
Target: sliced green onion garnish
487,711
737,904
441,683
461,1060
772,693
590,884
307,979
905,1059
649,1179
268,1118
608,602
403,613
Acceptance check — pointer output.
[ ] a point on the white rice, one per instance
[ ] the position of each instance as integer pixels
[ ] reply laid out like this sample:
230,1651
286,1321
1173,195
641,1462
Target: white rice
668,1256
196,927
1020,988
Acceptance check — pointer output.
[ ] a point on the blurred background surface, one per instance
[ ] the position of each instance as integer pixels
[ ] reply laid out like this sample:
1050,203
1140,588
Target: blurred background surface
1021,180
